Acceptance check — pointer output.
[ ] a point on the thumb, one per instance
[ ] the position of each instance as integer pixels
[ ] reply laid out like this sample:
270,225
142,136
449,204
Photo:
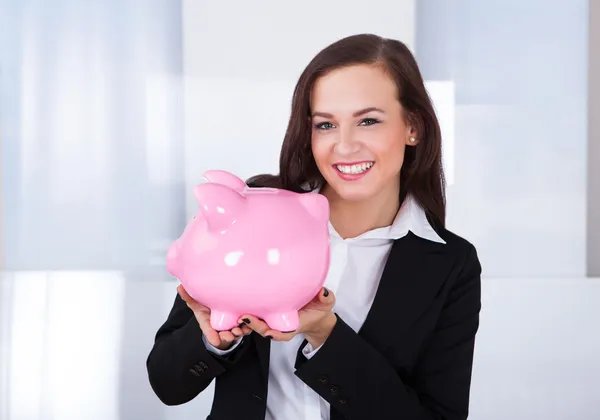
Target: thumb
191,303
184,295
211,335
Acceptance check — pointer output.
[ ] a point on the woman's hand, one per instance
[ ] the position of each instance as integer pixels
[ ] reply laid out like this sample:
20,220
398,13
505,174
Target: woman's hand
219,339
316,321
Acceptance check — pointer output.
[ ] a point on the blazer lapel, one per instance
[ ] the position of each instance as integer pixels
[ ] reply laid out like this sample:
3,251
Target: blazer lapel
414,273
263,350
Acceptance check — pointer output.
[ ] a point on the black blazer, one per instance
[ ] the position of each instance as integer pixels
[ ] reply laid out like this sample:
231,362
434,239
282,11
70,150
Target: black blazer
412,358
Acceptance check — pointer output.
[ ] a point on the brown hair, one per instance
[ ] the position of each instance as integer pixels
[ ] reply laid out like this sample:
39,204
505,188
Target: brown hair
421,175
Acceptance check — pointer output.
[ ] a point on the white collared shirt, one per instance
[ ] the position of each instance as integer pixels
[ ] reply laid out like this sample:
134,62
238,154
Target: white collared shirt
356,266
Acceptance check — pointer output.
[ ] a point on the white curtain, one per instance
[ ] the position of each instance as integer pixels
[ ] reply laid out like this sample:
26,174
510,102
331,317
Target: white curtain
92,139
91,131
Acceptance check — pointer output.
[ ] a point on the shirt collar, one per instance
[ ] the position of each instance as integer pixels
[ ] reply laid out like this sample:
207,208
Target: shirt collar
410,218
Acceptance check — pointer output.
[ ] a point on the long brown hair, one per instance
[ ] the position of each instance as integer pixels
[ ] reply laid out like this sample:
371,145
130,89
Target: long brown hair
421,175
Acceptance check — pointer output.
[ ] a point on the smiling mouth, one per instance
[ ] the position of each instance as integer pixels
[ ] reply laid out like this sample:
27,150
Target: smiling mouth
354,169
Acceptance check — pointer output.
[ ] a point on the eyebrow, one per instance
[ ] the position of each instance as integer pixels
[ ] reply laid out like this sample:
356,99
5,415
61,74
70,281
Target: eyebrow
355,114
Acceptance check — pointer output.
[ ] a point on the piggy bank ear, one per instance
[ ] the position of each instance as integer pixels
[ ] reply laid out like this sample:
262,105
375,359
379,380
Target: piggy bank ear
220,205
316,204
225,178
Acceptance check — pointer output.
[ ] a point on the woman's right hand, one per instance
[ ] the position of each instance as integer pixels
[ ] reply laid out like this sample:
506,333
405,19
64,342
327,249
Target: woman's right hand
222,340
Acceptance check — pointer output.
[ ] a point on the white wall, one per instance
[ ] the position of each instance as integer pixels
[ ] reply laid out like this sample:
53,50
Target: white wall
90,122
520,71
593,209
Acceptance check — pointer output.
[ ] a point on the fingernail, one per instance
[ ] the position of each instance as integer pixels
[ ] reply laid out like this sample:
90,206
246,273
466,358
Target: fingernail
325,292
246,320
241,324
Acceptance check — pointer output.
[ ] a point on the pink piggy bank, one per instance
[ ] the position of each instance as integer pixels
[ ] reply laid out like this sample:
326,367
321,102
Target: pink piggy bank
259,251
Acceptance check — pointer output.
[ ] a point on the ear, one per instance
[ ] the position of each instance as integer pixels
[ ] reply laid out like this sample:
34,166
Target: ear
412,141
412,137
412,134
316,204
219,204
225,178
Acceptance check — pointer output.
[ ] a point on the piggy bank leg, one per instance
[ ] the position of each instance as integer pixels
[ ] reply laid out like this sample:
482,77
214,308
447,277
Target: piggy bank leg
283,321
223,321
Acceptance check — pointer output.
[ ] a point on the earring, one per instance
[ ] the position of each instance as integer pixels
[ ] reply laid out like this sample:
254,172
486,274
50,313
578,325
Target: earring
412,139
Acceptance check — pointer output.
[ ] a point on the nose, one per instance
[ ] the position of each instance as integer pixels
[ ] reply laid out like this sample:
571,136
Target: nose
347,143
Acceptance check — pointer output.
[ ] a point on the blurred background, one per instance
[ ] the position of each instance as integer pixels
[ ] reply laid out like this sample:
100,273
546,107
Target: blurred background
111,110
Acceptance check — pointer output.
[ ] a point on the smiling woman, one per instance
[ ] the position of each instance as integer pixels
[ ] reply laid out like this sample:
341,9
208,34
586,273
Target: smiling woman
348,171
391,335
355,143
359,103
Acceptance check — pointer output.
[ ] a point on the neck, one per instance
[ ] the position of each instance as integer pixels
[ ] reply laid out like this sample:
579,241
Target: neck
353,218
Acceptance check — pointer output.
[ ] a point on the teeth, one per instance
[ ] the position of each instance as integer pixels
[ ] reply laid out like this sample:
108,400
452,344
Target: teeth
354,169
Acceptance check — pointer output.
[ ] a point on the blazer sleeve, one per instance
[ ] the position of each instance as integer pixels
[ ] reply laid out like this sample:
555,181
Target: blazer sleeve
360,383
179,365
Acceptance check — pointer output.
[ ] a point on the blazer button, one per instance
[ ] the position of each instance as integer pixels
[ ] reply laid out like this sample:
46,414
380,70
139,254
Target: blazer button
201,367
334,389
343,401
193,372
322,378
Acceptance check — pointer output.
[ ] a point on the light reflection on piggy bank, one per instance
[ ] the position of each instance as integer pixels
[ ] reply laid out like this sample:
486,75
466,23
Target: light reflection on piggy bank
259,251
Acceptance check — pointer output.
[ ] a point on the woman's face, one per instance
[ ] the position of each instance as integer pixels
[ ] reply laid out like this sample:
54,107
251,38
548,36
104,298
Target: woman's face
359,132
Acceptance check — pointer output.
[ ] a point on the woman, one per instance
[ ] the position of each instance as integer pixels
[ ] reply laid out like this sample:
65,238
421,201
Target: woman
391,335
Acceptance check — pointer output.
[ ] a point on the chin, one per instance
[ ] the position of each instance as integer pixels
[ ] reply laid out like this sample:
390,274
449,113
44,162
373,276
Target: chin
351,192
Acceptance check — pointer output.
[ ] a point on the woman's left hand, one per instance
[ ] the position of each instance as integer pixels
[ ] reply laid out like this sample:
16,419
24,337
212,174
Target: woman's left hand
316,321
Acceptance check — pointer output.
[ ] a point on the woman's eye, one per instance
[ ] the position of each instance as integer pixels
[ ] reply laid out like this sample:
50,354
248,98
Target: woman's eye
369,121
324,126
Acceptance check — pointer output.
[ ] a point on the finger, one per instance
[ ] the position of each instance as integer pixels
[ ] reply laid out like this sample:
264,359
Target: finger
184,295
226,336
213,337
209,332
279,336
237,332
191,303
244,330
241,330
324,301
326,296
255,324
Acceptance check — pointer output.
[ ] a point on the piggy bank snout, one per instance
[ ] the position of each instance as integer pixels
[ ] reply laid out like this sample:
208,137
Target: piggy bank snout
172,260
